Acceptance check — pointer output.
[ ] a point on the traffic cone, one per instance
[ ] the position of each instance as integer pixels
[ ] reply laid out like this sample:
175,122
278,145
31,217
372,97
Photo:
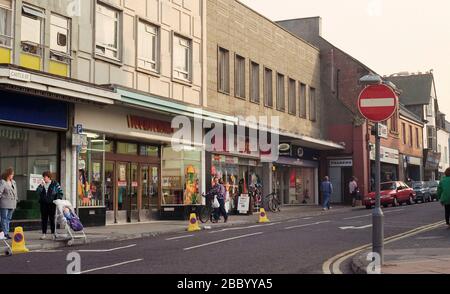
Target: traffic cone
263,216
18,243
193,223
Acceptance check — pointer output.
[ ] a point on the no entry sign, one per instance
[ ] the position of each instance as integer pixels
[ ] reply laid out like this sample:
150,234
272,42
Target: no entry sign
377,103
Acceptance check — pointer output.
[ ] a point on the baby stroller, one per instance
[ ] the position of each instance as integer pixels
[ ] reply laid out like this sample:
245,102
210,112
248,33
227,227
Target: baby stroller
69,221
8,251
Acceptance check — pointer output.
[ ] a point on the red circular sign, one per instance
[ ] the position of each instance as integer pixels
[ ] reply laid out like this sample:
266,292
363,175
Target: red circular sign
377,103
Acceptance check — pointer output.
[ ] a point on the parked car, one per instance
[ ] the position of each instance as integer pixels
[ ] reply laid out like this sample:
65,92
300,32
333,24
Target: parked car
422,191
433,189
392,193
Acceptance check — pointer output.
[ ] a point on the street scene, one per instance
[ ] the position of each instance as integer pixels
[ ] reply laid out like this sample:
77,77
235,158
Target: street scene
224,137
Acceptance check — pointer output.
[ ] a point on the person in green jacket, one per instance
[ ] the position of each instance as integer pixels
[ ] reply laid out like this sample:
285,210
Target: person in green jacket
444,194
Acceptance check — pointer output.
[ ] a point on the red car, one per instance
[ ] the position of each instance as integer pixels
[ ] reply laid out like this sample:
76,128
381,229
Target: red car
392,193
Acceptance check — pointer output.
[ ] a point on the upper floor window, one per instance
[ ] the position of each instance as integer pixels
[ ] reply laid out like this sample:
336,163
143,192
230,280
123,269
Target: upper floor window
292,97
429,109
6,23
281,93
254,77
312,104
59,34
417,138
32,29
107,32
411,138
182,52
268,87
224,71
302,91
239,77
148,47
404,133
394,123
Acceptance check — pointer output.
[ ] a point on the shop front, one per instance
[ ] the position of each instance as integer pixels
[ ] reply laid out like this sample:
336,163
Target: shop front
413,168
240,175
128,172
296,176
340,173
390,160
32,132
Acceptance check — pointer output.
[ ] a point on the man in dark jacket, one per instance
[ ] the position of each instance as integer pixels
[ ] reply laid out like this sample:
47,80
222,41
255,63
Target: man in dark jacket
48,192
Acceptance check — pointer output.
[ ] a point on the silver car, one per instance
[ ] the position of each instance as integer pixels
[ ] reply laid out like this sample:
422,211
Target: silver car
422,192
433,185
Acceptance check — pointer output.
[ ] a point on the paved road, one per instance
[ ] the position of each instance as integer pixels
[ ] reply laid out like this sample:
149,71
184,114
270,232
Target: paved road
296,246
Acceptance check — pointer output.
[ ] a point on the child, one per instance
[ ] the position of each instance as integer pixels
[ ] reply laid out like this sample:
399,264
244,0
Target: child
67,214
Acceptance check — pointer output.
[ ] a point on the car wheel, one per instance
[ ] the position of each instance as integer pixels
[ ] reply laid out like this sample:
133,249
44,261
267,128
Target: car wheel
410,200
395,202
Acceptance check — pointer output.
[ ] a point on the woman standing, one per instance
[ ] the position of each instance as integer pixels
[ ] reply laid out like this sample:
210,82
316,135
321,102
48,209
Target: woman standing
8,200
48,192
444,194
353,189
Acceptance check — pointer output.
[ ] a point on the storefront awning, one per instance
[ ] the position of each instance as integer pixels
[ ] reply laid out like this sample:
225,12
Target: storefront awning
54,87
174,108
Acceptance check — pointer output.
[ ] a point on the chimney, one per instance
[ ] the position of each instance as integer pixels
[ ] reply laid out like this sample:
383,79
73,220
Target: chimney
308,29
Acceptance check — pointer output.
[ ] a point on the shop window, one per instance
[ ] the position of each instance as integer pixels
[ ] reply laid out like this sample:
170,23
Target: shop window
127,148
182,54
90,188
150,151
148,46
32,37
107,32
6,31
181,177
30,152
59,45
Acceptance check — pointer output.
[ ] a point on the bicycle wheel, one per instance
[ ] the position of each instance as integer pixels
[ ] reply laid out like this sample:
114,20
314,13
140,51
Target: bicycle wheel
205,214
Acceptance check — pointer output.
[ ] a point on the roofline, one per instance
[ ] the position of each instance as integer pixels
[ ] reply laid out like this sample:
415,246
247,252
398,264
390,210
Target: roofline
277,25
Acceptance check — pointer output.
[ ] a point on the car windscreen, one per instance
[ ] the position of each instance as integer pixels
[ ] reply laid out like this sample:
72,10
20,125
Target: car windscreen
387,186
417,185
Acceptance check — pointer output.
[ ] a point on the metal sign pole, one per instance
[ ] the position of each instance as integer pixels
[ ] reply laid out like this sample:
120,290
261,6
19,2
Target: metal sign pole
378,216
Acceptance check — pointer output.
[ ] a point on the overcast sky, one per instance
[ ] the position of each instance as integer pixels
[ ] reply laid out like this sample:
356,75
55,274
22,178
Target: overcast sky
388,36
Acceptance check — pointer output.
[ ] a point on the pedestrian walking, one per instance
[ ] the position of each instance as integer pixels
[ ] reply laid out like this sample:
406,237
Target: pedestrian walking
444,194
218,190
354,191
48,191
8,200
327,189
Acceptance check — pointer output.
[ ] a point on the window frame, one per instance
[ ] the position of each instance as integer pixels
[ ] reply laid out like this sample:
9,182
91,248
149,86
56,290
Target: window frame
303,97
190,72
291,82
418,145
411,134
312,106
119,49
11,38
258,80
236,94
266,84
157,70
279,108
41,18
223,71
404,139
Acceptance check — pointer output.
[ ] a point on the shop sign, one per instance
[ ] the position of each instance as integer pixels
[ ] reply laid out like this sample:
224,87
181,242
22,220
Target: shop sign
35,181
122,184
150,125
387,155
244,204
341,163
413,160
19,76
432,160
285,149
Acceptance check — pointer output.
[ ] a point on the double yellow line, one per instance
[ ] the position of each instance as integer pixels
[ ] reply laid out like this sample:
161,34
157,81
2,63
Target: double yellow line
332,265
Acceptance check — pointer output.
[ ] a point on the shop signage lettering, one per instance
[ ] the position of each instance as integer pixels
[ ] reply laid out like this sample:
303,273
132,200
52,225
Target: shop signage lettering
341,163
244,204
149,125
387,155
19,76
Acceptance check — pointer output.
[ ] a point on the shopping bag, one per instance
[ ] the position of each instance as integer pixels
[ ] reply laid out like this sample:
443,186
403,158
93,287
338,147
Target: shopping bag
215,203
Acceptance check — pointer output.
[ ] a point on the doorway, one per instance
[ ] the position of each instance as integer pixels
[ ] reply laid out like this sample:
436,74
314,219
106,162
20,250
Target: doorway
131,191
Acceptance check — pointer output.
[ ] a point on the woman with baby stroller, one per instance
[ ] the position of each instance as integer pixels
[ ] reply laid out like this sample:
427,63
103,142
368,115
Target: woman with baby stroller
48,191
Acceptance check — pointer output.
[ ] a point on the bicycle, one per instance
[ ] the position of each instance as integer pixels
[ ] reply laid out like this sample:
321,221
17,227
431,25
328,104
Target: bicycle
206,212
274,202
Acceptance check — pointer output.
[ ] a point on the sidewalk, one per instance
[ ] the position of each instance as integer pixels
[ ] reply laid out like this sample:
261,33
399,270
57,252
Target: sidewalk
426,253
156,228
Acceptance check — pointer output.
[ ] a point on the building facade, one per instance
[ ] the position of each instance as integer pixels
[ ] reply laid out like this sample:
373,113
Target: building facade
257,68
